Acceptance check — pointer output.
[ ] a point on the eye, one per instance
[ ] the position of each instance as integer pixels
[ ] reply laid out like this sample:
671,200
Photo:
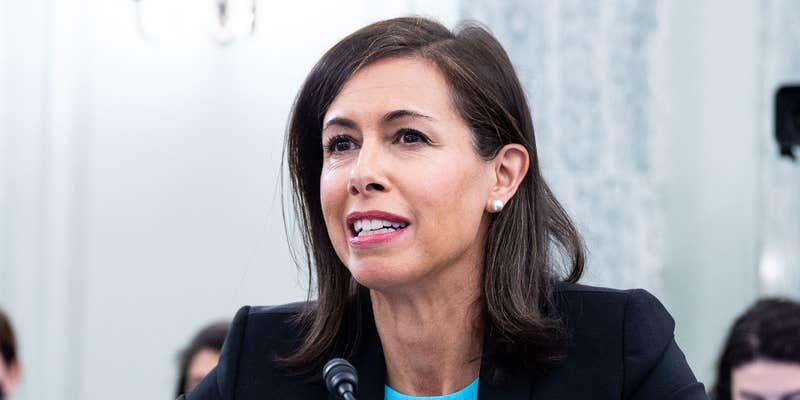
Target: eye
411,136
339,144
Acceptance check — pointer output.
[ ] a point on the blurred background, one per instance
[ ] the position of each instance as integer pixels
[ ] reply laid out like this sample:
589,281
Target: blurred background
140,162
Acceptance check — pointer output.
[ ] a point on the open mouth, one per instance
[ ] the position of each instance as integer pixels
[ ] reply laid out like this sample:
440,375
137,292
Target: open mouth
364,224
367,227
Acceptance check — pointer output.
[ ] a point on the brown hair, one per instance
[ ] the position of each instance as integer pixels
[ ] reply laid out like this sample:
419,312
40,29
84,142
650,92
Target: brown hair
768,330
8,344
520,269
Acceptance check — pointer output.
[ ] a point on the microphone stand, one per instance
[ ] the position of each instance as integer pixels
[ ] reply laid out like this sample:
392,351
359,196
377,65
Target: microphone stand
340,378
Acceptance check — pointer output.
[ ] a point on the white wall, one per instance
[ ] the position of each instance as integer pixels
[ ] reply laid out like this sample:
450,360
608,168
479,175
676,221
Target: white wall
708,88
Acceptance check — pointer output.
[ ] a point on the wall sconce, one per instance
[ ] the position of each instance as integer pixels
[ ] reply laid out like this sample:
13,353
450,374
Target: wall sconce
223,21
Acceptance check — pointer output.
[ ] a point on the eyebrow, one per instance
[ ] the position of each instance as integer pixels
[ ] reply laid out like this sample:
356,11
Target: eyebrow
389,117
338,121
397,114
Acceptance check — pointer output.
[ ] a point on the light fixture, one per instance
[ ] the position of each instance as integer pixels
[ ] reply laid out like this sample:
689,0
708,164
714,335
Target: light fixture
777,275
223,21
772,270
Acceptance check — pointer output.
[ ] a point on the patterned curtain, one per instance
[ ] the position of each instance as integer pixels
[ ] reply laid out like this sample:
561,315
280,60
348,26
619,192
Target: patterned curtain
587,71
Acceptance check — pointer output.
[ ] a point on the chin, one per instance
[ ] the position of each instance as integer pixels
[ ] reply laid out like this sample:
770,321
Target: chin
378,276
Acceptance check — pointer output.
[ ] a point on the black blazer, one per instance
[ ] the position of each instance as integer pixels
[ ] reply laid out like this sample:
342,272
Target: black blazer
622,347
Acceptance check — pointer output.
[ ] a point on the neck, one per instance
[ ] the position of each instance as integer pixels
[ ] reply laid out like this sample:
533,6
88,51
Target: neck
432,337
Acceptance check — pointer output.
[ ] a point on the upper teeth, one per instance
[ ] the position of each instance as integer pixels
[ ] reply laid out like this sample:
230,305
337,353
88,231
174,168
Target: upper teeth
375,224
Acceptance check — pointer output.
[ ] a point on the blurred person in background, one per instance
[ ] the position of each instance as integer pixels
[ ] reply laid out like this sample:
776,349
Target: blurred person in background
761,358
10,368
200,356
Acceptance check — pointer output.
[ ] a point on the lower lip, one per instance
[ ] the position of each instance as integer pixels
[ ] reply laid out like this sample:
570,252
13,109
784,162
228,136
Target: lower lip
379,238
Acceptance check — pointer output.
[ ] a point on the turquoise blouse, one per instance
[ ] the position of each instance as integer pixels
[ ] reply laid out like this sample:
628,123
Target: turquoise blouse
468,393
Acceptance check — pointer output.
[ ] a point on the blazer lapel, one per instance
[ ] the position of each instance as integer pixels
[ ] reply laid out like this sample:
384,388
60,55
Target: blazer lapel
492,386
490,389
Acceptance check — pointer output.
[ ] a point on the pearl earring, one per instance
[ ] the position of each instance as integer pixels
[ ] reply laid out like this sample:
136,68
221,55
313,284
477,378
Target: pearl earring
496,206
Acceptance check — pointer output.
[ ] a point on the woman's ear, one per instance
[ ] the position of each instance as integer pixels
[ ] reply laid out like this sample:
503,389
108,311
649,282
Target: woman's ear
510,166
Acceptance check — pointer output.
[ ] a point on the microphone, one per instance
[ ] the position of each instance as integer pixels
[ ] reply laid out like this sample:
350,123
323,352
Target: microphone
340,378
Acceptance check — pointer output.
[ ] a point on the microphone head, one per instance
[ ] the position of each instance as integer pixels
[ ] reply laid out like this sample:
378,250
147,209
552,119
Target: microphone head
340,376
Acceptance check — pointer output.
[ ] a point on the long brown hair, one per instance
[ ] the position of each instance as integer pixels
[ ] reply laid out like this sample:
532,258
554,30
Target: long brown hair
520,268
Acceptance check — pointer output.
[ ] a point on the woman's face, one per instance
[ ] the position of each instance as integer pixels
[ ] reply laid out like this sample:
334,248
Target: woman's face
199,366
766,380
402,188
9,376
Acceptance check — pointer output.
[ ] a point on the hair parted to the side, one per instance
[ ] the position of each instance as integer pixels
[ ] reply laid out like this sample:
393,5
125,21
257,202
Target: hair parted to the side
520,268
769,330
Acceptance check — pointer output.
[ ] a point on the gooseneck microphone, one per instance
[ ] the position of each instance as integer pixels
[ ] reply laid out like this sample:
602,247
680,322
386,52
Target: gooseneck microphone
340,378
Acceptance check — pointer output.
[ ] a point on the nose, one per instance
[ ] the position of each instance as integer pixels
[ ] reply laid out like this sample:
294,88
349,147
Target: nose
368,175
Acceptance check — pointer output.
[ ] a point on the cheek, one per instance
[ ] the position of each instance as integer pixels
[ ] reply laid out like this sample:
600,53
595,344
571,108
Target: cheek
456,197
333,199
330,192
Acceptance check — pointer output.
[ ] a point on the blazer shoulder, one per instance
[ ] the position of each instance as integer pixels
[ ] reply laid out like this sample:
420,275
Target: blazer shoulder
277,310
276,323
274,318
626,337
635,300
641,315
581,289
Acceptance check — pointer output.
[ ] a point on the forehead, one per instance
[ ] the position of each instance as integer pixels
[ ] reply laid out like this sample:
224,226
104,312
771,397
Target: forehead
767,375
407,83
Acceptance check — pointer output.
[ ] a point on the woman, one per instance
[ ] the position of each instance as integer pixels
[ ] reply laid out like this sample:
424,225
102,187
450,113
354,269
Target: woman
436,247
200,357
761,358
10,368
